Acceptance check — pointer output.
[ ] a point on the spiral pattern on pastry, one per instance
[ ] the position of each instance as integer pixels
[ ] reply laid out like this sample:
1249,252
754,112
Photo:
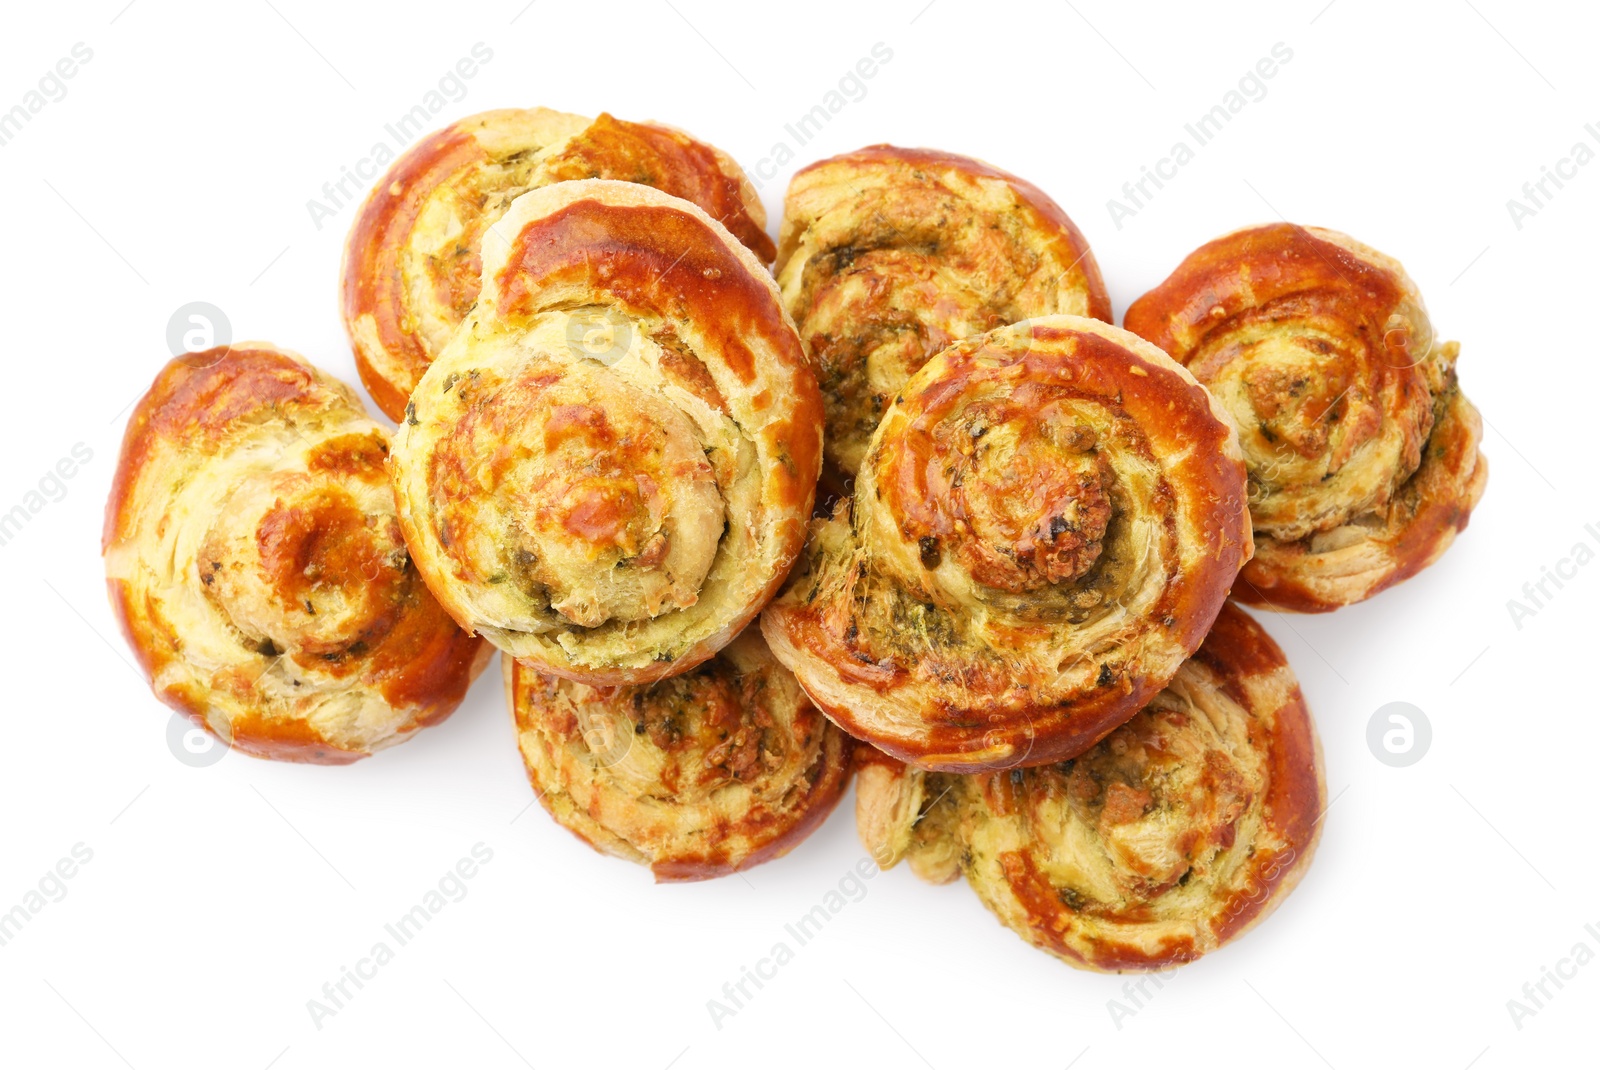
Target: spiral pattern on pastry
887,255
710,772
1045,525
1175,834
255,565
1362,449
413,258
609,469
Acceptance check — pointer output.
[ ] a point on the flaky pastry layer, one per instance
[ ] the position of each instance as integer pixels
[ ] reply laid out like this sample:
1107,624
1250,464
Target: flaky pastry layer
1044,526
413,259
255,565
707,773
1175,834
610,467
887,255
1363,452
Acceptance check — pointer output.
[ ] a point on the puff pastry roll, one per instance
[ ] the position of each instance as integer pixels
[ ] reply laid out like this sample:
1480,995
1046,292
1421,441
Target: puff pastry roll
255,565
1175,834
1363,452
714,771
609,469
887,255
413,257
1044,526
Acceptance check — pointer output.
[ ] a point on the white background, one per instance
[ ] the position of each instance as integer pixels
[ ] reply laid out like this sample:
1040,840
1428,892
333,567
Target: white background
219,900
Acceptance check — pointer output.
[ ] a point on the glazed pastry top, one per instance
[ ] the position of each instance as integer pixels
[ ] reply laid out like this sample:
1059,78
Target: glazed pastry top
888,255
611,465
414,257
1171,836
1362,450
1045,525
255,563
706,773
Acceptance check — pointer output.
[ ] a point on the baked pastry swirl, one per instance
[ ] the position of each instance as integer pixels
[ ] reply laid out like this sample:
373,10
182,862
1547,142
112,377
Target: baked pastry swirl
1363,451
714,771
1175,834
255,565
1044,526
887,255
609,469
413,257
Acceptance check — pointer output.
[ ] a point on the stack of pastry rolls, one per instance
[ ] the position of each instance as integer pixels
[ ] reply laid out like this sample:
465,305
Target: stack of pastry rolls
904,504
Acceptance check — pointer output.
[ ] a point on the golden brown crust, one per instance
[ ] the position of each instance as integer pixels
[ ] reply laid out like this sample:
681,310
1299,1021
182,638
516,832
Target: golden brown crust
609,469
1045,525
413,257
255,565
705,774
1363,452
1174,835
887,255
